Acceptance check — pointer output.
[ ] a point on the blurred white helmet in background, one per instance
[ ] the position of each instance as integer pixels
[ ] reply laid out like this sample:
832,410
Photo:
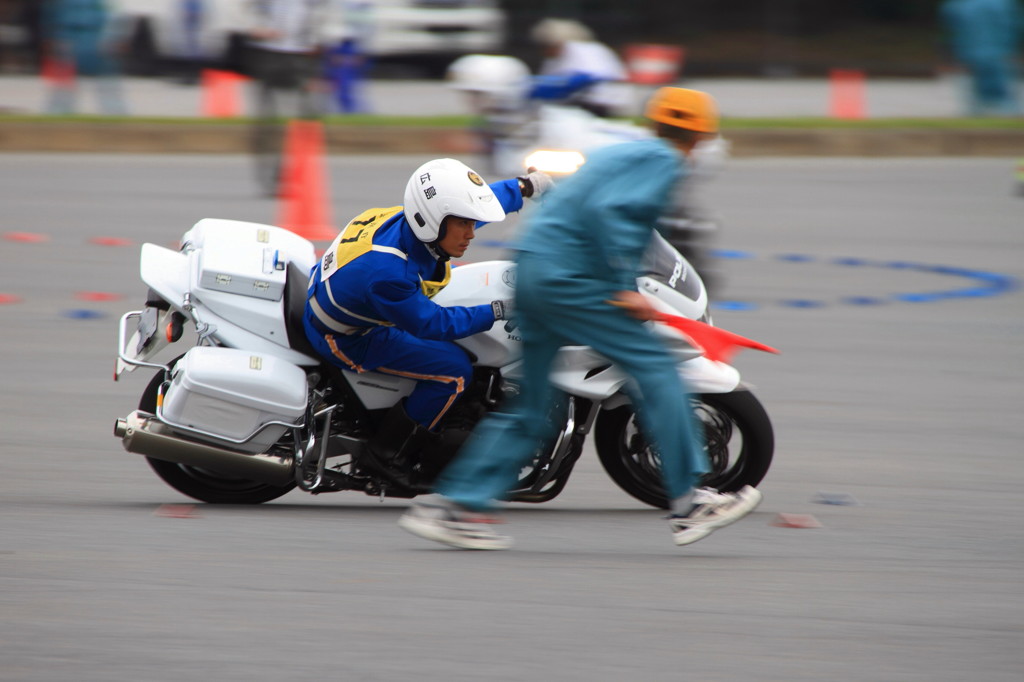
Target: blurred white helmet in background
495,75
560,31
445,187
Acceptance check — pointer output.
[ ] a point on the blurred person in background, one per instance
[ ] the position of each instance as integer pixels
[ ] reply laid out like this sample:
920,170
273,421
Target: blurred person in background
15,45
284,57
34,21
83,38
984,37
30,16
579,70
192,14
369,304
577,265
347,60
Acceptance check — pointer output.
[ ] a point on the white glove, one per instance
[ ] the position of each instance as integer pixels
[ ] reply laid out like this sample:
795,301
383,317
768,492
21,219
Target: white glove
535,183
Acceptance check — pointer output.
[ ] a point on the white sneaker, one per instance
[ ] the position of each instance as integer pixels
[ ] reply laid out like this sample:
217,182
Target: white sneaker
712,510
439,519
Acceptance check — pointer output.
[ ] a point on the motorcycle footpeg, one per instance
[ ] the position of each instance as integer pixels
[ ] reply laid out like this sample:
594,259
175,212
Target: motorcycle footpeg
395,480
334,481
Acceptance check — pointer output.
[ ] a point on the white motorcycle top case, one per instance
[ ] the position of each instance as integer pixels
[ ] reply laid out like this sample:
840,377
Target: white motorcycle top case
232,392
243,258
237,271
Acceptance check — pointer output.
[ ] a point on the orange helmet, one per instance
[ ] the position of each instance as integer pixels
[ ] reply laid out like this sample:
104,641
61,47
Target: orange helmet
682,108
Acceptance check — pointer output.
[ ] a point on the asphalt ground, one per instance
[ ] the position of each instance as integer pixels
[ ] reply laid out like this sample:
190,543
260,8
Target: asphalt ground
891,287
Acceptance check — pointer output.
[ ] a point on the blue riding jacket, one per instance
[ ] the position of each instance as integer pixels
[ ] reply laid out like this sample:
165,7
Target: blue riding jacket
378,273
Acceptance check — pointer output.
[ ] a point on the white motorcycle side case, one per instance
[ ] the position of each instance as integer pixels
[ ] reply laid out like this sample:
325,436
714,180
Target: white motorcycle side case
232,392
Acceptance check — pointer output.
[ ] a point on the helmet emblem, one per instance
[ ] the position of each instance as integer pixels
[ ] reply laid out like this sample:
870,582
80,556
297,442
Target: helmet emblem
475,179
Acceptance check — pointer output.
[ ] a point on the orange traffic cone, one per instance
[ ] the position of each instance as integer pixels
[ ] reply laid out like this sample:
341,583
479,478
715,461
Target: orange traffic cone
305,205
846,94
220,93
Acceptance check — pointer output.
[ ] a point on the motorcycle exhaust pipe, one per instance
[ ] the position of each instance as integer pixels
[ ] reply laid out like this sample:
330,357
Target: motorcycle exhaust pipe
143,435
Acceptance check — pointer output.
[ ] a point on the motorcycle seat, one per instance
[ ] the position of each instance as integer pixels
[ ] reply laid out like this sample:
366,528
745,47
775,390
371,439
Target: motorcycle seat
295,294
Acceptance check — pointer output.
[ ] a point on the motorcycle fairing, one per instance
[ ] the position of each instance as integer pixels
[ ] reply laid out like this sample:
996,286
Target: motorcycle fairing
579,370
376,390
478,283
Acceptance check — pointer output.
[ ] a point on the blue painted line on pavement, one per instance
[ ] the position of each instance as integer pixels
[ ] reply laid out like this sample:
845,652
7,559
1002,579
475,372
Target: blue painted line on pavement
863,300
83,314
734,305
802,303
984,283
730,254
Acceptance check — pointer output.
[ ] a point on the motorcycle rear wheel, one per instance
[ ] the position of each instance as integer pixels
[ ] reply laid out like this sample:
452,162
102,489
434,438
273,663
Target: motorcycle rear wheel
202,484
739,437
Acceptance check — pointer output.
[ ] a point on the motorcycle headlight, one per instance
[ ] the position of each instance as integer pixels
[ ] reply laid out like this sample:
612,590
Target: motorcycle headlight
554,162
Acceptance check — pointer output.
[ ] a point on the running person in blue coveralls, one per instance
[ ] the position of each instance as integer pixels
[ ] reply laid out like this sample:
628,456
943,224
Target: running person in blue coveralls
369,304
576,284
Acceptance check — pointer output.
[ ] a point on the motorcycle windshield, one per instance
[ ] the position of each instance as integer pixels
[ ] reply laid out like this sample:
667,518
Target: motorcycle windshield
662,262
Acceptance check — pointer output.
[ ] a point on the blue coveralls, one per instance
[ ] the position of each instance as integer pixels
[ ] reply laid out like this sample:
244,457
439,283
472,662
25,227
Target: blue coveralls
985,37
373,312
81,33
582,246
78,27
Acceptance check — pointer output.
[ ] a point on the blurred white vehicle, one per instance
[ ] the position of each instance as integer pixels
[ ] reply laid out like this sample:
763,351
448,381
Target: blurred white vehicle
440,29
157,30
445,28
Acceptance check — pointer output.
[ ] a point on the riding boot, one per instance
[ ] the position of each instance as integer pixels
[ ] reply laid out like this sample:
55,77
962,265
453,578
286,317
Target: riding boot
394,450
439,452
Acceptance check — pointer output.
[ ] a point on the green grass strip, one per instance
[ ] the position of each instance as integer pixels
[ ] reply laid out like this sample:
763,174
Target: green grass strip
366,120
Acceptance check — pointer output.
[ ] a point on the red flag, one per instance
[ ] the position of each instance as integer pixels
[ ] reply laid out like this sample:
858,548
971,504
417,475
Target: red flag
717,344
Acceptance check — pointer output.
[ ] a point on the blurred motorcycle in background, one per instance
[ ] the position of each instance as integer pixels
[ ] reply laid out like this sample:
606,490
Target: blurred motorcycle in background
517,132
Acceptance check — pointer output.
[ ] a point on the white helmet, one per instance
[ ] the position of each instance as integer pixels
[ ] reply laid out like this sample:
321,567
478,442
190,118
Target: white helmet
445,187
495,75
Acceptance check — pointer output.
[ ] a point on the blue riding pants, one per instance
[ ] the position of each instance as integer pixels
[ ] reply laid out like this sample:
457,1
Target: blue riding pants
441,369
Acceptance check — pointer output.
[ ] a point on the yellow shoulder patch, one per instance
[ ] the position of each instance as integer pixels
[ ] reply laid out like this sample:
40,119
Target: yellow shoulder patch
355,240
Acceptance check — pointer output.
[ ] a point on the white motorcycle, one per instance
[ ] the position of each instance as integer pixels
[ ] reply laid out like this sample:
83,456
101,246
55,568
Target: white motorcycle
249,412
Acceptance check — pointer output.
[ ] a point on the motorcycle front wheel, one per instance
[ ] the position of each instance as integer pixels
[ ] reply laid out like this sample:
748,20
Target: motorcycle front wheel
202,484
739,442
